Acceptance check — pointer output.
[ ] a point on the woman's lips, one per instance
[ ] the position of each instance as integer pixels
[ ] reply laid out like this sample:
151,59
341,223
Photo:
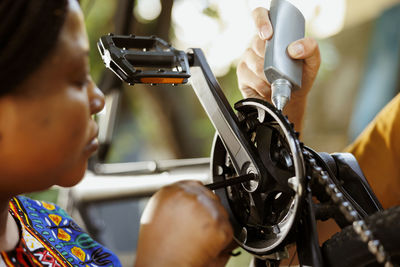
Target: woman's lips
92,145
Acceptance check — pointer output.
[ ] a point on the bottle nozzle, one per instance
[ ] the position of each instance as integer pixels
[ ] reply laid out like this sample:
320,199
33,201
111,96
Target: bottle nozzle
280,93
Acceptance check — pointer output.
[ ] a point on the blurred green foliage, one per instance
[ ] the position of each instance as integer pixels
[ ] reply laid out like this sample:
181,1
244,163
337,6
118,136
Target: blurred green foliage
49,195
99,21
242,260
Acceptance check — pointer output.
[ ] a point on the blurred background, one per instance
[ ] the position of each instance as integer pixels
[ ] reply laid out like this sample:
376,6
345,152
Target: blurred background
359,42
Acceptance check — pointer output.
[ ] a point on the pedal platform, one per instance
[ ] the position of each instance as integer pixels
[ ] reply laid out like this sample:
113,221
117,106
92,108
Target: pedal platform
144,59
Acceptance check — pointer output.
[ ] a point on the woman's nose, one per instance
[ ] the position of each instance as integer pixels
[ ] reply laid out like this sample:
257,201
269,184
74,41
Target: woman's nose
96,98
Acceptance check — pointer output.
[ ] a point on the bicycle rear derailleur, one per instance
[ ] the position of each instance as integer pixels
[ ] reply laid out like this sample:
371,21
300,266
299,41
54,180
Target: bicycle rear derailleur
265,177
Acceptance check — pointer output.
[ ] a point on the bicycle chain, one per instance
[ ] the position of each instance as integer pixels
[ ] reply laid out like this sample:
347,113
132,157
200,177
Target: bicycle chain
347,209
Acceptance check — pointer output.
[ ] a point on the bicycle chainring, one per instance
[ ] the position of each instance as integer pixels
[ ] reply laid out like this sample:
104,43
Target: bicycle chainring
263,219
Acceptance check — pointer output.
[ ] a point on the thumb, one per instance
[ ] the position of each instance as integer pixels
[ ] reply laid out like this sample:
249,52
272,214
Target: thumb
307,49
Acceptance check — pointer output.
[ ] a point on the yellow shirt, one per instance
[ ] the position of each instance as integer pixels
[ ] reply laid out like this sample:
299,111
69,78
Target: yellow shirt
377,150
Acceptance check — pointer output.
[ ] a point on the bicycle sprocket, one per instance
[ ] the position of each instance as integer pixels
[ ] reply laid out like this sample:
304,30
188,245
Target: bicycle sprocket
263,219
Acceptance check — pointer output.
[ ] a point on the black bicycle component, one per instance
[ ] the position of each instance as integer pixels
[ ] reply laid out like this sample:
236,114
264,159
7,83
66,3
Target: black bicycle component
258,165
139,59
262,220
347,249
352,179
307,243
347,175
231,181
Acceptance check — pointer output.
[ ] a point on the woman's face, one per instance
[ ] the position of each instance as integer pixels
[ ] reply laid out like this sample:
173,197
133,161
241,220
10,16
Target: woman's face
46,131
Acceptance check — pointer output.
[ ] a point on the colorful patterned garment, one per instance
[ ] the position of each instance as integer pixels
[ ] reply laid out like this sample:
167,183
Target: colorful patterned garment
49,237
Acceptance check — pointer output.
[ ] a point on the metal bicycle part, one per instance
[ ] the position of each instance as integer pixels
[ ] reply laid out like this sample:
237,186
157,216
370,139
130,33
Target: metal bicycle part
143,59
224,120
263,219
260,144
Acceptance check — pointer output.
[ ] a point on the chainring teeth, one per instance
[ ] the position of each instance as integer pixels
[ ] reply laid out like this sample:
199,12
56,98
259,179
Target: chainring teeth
261,228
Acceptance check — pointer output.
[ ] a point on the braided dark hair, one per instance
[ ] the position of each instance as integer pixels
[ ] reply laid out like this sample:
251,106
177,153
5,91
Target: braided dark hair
29,31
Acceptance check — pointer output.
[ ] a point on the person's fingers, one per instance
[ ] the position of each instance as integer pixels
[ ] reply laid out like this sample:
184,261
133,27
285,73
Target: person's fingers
179,214
248,79
196,188
255,63
262,22
258,46
208,200
307,49
202,196
312,61
210,203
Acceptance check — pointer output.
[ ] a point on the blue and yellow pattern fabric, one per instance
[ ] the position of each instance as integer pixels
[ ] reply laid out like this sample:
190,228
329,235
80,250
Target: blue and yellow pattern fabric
49,237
